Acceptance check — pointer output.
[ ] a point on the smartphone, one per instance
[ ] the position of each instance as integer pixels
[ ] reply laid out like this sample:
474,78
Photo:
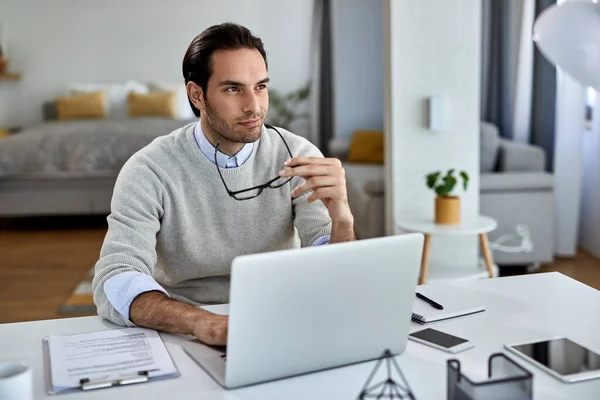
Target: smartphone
441,340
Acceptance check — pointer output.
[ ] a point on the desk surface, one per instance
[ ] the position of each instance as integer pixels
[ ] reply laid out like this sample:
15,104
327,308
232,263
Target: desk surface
518,309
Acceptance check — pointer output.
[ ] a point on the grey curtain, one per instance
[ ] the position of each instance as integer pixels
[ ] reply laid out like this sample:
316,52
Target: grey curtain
325,80
498,71
496,65
543,109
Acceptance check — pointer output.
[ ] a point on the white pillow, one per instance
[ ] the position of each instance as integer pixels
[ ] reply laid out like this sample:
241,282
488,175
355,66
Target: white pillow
184,110
115,95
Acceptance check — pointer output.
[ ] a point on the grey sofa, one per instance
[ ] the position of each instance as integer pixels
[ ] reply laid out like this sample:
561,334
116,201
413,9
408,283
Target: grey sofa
514,189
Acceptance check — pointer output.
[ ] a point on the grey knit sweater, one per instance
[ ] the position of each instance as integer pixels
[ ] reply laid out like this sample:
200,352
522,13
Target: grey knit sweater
171,217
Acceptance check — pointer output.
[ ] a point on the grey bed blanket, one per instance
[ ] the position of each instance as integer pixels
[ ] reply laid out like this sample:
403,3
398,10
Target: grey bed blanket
79,146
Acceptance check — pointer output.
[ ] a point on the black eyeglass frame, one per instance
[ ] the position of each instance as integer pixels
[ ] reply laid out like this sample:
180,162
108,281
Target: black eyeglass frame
260,188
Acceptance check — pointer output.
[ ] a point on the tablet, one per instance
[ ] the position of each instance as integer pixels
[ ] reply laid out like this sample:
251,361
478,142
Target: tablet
560,357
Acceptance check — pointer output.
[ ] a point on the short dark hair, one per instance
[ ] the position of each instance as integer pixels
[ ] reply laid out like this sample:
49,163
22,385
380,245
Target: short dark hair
198,62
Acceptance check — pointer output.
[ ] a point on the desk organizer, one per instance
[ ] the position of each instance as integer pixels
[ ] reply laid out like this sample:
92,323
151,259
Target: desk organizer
507,381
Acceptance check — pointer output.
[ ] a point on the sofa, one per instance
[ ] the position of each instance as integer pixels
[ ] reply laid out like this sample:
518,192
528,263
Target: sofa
515,189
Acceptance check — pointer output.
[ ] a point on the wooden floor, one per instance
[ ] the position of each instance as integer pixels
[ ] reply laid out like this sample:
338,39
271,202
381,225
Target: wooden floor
41,262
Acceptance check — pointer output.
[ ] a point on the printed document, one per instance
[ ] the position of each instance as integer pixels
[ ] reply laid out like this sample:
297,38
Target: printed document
107,355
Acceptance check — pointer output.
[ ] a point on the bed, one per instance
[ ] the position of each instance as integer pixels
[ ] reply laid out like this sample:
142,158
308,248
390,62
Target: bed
70,167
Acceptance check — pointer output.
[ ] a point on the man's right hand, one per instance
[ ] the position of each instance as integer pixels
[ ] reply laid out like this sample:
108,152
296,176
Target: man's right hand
212,329
154,310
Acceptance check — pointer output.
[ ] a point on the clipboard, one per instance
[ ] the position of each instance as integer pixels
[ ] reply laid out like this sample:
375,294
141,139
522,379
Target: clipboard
86,384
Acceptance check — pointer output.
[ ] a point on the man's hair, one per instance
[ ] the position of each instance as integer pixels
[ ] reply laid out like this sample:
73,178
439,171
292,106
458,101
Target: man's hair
198,61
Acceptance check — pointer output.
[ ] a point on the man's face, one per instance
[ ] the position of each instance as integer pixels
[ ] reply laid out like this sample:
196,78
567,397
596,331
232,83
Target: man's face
236,99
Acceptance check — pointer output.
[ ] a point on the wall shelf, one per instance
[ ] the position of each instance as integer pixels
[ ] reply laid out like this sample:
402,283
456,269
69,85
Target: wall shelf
10,76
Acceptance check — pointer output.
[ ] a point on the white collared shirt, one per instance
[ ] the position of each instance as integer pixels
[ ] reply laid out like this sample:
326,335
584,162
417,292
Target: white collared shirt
223,160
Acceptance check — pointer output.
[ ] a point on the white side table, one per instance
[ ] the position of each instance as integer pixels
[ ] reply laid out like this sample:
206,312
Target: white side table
479,226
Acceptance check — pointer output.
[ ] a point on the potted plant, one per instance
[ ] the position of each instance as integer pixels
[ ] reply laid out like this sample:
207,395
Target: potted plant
447,206
284,108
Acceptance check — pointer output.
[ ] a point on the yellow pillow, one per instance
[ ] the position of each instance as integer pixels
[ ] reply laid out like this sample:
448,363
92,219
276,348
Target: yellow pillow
367,146
156,104
81,106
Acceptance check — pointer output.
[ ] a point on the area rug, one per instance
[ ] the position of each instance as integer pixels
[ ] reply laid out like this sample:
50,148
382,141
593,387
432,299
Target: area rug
81,300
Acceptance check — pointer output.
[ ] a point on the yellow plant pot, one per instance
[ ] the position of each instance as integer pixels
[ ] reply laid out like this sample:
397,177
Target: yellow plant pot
447,210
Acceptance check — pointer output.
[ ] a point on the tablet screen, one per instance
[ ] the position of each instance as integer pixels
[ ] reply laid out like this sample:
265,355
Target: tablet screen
562,356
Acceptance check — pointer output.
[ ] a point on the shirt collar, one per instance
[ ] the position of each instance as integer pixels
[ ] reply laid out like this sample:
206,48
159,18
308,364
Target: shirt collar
223,160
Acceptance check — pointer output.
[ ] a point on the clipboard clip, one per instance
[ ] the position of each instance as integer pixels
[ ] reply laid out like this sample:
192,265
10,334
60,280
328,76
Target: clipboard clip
142,376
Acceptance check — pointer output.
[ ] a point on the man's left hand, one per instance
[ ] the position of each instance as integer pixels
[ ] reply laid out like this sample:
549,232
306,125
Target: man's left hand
327,180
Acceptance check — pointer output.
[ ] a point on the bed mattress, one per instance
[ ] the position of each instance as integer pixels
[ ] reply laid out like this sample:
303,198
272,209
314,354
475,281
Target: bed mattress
66,149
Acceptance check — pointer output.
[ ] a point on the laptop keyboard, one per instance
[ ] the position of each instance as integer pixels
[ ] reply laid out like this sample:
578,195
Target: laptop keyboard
222,350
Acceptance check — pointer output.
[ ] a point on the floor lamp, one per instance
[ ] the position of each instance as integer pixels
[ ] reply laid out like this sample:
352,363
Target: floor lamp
568,36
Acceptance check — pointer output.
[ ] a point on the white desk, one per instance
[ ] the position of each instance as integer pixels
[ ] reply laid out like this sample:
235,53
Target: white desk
518,308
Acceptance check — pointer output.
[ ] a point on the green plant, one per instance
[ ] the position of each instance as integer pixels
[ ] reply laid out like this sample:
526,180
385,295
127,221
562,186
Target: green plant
443,185
283,108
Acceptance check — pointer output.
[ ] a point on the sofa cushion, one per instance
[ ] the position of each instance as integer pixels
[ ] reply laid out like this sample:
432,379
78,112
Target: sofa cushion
364,184
375,187
155,104
488,146
517,181
520,157
365,178
338,147
367,146
83,106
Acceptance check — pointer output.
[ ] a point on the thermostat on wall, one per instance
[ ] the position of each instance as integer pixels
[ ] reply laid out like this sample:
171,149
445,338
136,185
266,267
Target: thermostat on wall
436,113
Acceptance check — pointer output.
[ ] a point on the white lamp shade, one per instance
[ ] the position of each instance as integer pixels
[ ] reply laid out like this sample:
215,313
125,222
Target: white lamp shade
568,35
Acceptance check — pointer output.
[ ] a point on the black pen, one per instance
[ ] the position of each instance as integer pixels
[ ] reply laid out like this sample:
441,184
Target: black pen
431,302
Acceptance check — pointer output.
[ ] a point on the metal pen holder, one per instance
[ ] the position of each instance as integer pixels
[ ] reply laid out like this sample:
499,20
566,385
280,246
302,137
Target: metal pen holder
506,381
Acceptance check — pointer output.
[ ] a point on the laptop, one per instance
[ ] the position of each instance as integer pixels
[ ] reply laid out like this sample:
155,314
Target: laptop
300,311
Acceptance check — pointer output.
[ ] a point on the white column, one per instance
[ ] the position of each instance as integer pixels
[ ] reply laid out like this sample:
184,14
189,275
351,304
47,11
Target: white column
570,125
589,234
432,53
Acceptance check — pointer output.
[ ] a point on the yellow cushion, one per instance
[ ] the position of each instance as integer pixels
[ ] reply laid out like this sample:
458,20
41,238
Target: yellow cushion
81,106
367,146
156,104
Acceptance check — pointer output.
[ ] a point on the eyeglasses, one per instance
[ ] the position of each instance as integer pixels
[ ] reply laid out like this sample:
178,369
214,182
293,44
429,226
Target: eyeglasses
250,193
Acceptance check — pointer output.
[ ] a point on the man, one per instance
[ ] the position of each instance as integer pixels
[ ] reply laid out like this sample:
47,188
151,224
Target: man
184,206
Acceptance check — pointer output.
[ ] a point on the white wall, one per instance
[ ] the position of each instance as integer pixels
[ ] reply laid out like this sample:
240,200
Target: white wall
357,65
433,48
589,228
60,41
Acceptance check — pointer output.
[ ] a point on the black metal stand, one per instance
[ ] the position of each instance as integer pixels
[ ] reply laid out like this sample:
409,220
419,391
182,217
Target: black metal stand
388,388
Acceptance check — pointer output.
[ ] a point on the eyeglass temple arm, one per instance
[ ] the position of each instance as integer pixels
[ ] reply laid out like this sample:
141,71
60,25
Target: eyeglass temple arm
259,187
